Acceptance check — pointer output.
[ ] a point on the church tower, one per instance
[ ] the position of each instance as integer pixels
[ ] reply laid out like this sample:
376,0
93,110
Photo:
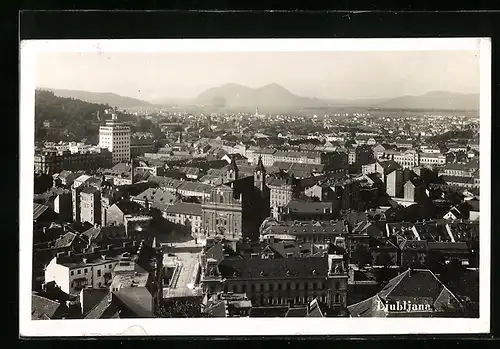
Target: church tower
259,175
232,172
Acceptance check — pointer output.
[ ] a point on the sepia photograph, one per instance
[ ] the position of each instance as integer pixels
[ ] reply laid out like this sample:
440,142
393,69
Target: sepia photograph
174,183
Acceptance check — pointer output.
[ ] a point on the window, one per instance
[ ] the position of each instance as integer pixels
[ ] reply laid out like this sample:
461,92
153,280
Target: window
99,273
279,287
85,270
337,298
72,273
79,271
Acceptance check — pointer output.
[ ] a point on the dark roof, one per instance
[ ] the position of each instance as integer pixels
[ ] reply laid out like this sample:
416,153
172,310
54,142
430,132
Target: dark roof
274,268
269,311
389,166
91,297
217,310
416,283
129,207
309,207
462,246
474,204
296,312
105,309
89,190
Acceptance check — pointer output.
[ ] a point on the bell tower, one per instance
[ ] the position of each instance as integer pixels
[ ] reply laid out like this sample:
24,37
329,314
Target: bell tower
232,172
259,175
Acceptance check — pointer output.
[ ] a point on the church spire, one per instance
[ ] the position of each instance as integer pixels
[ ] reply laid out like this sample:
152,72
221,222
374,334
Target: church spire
260,166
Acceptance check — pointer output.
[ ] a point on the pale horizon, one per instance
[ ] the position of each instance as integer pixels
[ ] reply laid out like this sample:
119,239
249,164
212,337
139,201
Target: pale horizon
153,76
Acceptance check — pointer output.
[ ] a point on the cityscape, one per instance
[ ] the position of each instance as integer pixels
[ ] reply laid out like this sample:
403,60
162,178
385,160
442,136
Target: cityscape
241,198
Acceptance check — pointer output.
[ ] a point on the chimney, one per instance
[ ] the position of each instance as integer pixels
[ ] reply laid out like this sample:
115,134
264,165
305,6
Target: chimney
69,253
109,247
84,260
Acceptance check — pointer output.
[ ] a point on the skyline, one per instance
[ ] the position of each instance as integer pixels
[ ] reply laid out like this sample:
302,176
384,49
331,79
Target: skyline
325,75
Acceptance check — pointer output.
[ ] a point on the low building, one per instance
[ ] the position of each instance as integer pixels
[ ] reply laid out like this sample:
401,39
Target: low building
187,214
278,282
50,161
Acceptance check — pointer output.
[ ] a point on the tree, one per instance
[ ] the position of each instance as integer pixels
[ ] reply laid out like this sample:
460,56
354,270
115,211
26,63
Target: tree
180,308
361,256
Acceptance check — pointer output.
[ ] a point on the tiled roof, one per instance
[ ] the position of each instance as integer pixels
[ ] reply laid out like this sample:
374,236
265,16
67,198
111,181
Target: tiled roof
38,210
364,308
416,283
458,179
157,197
43,306
274,268
186,208
65,241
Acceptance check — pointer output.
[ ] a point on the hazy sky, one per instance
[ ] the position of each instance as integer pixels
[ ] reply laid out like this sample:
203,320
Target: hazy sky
336,75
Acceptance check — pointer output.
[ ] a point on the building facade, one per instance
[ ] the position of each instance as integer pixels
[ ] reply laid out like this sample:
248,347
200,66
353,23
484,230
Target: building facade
49,161
116,138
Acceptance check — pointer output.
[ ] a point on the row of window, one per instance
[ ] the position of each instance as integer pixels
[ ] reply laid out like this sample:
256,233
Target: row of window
85,270
287,286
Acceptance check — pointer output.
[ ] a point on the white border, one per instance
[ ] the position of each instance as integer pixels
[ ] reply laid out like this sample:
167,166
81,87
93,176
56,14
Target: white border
245,326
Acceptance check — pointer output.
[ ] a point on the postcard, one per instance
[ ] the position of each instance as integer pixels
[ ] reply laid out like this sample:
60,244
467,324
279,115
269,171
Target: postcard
267,187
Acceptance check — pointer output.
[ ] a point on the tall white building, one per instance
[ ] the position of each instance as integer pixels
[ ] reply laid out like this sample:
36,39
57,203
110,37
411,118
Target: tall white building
115,136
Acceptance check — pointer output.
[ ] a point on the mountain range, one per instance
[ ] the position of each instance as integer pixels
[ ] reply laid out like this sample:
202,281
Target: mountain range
274,96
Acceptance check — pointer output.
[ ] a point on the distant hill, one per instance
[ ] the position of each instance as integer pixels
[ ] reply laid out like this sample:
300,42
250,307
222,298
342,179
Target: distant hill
432,100
275,96
234,95
100,98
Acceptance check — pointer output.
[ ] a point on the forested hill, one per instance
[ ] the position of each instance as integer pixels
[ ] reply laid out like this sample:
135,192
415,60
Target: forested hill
74,119
48,106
